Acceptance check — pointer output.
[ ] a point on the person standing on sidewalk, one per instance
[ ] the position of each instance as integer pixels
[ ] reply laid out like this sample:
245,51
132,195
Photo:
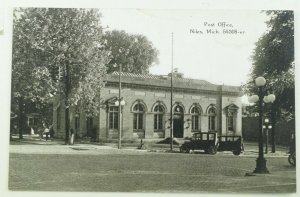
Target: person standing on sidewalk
40,132
72,139
47,131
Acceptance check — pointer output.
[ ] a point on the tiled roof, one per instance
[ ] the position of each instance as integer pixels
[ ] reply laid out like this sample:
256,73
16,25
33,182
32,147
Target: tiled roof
165,81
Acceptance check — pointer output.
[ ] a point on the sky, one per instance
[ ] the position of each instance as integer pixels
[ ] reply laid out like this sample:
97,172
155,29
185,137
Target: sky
198,53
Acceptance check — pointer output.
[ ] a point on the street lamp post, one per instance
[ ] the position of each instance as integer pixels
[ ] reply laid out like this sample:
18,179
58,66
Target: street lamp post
171,103
267,126
120,102
273,130
261,162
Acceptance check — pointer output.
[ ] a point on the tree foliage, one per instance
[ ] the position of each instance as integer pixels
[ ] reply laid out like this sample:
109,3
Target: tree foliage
273,58
64,53
134,52
46,42
58,52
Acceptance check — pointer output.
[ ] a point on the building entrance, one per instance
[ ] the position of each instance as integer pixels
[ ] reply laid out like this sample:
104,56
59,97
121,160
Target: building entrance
178,127
178,122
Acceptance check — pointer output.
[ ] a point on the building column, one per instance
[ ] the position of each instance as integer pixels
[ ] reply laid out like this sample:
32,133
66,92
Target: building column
102,124
167,125
220,118
149,125
238,126
187,128
204,123
127,124
224,124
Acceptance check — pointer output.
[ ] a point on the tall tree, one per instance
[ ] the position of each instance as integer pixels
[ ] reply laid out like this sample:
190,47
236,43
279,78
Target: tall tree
134,52
273,58
58,52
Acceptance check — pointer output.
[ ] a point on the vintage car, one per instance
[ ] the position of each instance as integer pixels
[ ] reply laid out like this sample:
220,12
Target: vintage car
230,143
207,141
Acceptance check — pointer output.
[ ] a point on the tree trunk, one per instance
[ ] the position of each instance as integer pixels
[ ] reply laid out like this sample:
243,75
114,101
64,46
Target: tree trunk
21,117
67,122
67,105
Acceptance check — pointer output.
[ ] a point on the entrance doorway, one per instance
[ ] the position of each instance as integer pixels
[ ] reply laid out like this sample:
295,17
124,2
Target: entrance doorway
178,122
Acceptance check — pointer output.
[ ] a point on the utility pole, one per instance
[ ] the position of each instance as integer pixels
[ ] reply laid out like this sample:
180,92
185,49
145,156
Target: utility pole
171,110
120,108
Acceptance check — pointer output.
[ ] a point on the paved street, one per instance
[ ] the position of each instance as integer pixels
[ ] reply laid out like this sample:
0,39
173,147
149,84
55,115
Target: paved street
49,166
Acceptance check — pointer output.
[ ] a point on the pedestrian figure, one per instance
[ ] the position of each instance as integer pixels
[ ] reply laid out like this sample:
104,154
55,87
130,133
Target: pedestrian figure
51,132
47,131
142,145
40,131
31,131
72,137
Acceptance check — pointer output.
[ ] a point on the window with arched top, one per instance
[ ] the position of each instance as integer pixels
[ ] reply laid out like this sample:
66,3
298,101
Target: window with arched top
113,117
212,119
158,117
195,118
231,112
138,116
230,126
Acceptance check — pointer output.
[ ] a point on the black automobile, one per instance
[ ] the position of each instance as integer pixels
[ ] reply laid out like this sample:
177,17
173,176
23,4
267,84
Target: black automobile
207,141
231,143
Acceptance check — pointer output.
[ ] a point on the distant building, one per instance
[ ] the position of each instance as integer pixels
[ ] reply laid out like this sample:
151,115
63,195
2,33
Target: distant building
197,104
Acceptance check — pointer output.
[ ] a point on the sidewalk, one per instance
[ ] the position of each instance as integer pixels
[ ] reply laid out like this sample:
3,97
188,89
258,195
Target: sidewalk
252,148
33,145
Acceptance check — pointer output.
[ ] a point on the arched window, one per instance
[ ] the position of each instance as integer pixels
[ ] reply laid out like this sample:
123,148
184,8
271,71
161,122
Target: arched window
212,119
230,121
158,117
231,117
113,120
138,116
195,119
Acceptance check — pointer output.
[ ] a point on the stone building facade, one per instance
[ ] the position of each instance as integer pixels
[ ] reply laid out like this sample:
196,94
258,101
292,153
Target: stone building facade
197,105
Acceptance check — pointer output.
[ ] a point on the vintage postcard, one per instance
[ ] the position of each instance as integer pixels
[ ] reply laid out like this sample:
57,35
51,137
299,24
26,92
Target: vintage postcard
151,100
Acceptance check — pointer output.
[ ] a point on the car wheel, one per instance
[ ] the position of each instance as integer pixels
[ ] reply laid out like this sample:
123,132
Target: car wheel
292,159
236,152
211,150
